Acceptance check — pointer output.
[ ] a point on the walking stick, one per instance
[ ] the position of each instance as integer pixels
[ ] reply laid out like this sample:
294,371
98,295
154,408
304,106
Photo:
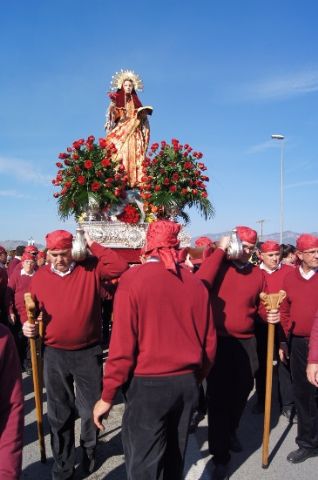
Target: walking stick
37,383
271,302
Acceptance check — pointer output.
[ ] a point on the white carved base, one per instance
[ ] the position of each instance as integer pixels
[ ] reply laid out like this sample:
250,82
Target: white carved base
124,235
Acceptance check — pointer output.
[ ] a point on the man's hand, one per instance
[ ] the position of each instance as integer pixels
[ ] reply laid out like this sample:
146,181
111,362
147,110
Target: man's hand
12,318
30,330
312,373
273,316
283,352
100,412
88,239
223,243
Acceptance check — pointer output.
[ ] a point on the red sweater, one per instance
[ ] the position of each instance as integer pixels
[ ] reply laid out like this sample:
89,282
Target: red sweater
71,304
299,308
234,294
313,343
12,264
162,326
11,408
275,280
18,285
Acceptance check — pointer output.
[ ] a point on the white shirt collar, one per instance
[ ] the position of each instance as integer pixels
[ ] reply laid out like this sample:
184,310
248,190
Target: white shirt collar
307,275
63,274
267,270
23,272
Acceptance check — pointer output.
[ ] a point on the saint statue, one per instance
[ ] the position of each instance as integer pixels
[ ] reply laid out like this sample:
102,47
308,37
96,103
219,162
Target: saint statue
127,125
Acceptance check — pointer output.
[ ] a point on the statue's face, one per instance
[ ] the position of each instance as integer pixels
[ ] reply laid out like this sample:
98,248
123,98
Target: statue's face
128,86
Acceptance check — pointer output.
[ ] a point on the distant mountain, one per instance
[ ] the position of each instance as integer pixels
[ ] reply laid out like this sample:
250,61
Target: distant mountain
12,244
288,236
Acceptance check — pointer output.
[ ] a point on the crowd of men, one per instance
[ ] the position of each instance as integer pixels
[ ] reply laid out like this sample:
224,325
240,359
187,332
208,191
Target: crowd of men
181,318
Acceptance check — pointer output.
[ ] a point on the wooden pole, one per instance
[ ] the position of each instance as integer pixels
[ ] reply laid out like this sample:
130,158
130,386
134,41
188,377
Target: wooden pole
268,395
37,383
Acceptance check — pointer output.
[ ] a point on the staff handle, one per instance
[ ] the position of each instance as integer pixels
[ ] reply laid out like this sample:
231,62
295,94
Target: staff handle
37,384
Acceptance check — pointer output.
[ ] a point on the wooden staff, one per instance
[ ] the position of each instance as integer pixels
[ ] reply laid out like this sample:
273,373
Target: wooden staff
37,383
271,302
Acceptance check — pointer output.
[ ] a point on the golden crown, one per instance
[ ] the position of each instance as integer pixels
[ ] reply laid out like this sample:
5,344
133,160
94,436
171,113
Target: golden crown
119,78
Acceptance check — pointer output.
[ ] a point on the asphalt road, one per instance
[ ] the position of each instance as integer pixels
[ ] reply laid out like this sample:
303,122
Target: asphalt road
245,465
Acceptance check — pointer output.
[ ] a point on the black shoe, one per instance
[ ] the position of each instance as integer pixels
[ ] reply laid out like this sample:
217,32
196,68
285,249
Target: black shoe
300,455
196,419
290,414
235,444
258,408
88,462
221,472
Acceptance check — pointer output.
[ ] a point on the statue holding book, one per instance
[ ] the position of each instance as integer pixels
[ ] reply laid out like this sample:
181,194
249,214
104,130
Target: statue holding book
127,125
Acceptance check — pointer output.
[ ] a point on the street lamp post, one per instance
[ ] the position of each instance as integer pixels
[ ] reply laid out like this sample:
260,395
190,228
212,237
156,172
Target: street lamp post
281,138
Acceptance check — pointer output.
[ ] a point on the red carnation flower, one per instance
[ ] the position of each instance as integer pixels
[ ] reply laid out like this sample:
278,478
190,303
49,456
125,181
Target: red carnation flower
95,186
63,155
59,164
75,156
56,195
102,142
88,164
81,180
204,194
175,177
166,181
157,188
105,162
173,188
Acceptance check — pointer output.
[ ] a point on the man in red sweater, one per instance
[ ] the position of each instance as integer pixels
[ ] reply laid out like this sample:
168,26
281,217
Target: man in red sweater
3,284
162,346
235,286
312,366
68,294
297,315
11,408
274,272
18,285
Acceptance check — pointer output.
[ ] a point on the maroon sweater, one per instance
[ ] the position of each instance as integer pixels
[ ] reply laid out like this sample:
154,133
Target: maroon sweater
275,280
162,326
17,286
234,294
12,264
313,343
71,304
11,408
299,308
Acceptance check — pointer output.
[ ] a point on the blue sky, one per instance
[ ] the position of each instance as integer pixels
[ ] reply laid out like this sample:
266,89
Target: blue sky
221,76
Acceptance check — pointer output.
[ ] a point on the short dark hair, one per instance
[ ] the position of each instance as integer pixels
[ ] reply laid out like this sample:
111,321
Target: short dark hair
286,249
19,250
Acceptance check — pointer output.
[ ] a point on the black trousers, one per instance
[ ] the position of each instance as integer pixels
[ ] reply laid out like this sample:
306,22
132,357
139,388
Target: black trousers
229,384
285,389
155,426
305,395
63,369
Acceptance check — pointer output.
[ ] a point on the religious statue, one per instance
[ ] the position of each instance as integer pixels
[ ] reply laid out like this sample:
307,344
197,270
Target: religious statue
127,125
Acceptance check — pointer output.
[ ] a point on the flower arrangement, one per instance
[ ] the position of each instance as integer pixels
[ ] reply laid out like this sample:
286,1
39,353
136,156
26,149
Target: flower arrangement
173,179
89,178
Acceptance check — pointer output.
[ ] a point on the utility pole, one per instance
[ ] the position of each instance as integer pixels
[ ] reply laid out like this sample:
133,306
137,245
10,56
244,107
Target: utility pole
261,222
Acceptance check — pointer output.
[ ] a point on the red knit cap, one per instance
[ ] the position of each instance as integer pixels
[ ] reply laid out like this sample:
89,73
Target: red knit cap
41,254
270,246
31,249
162,241
59,240
247,234
306,241
203,242
27,256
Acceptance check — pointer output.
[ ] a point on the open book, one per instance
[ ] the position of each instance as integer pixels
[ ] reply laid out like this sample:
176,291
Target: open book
147,110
